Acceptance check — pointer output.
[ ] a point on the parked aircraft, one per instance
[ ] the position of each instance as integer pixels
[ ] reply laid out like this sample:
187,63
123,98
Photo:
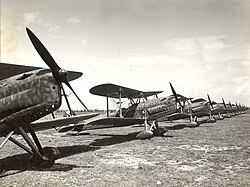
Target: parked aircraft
142,107
30,93
140,110
223,110
125,116
217,109
235,109
193,108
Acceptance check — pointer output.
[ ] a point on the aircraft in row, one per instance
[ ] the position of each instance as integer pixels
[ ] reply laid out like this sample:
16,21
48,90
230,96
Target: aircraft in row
170,108
29,93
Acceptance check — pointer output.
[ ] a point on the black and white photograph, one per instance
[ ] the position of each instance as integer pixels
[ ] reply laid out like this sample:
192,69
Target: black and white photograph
133,93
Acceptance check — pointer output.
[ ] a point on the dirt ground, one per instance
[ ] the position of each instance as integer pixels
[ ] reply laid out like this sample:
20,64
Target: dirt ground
215,154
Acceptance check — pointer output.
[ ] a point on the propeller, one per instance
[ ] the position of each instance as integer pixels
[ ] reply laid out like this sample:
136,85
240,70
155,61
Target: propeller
224,104
175,95
60,75
210,102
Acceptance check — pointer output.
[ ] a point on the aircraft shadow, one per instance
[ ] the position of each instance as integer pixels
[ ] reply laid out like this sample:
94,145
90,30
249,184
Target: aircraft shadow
22,162
18,163
116,139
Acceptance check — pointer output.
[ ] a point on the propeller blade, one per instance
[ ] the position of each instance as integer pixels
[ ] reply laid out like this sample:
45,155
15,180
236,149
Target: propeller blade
210,102
70,87
44,54
59,74
224,104
175,95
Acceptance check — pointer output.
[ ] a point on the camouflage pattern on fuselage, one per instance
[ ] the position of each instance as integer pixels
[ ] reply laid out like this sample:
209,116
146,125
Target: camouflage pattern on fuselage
27,97
198,107
218,108
158,108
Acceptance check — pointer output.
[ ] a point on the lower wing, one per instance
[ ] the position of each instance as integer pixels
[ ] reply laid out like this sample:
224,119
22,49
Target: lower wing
103,123
54,123
177,116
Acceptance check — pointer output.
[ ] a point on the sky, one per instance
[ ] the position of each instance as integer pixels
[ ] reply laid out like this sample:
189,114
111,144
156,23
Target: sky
200,46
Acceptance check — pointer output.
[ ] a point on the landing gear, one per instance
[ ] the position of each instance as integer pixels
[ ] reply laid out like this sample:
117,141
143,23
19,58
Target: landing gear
44,157
219,117
50,154
158,131
211,119
154,130
145,134
193,122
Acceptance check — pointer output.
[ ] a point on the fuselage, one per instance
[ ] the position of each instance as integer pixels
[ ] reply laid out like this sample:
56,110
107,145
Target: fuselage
162,108
27,97
198,107
218,109
157,108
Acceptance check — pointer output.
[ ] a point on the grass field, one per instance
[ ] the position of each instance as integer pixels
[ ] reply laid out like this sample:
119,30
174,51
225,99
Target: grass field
216,154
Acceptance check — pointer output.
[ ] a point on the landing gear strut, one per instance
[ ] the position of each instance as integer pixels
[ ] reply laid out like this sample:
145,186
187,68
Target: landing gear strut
49,155
44,157
193,122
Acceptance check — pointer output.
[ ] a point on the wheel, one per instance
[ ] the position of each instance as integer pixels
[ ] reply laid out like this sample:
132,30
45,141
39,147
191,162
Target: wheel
145,135
50,154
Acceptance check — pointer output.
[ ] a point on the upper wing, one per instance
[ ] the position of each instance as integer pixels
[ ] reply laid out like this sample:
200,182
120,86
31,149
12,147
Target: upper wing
198,100
9,70
103,123
180,97
115,91
48,124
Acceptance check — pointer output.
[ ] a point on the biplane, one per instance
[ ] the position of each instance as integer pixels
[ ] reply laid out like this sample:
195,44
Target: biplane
217,109
139,109
235,109
223,110
30,93
193,108
241,108
226,113
124,116
231,109
200,107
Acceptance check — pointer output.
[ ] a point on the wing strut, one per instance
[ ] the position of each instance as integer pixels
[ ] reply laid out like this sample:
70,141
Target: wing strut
108,106
67,101
120,101
6,139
